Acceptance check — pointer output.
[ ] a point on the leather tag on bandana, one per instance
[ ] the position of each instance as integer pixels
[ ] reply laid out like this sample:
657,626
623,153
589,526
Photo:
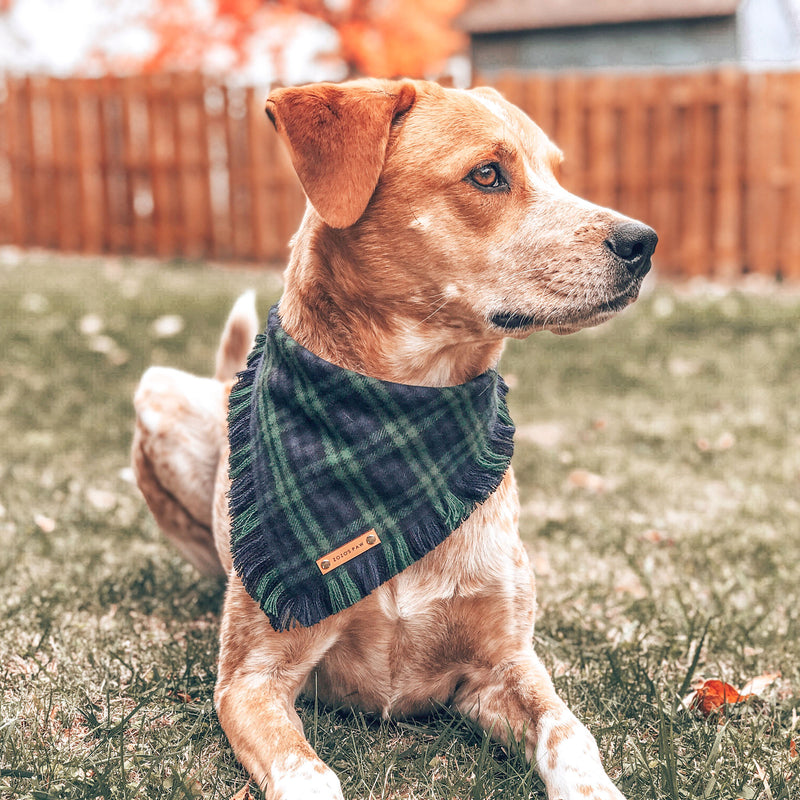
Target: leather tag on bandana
348,551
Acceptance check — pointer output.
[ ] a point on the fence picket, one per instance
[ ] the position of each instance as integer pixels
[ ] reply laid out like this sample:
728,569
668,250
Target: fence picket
726,220
791,229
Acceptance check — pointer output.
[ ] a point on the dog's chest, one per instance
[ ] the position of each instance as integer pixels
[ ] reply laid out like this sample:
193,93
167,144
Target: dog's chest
407,646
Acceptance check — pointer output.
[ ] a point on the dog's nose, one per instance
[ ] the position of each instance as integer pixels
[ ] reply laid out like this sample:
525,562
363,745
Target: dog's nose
633,243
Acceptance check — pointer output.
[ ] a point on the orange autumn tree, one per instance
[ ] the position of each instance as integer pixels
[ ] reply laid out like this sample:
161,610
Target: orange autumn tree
375,37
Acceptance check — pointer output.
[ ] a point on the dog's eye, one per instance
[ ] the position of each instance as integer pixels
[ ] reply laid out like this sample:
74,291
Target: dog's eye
487,176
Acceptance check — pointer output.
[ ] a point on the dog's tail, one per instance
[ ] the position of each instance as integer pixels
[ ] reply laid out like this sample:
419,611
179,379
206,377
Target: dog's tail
237,337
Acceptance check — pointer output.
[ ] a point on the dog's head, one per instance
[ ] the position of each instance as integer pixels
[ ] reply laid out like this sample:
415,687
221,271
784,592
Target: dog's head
451,196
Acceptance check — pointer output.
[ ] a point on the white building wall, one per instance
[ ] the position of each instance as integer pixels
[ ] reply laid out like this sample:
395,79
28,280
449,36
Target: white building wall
769,32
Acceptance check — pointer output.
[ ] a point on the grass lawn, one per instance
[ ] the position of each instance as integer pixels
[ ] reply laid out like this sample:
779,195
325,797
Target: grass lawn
659,466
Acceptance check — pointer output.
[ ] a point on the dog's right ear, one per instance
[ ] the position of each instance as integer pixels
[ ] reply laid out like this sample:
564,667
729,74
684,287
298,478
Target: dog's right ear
337,136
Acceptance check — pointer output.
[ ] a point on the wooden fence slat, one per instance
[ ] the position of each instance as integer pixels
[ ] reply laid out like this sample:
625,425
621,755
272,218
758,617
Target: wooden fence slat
633,140
258,168
177,217
669,144
726,220
105,131
116,174
791,217
65,189
236,146
41,166
600,179
16,160
761,190
192,162
126,98
272,187
6,190
214,98
143,193
539,102
697,157
93,208
569,132
160,159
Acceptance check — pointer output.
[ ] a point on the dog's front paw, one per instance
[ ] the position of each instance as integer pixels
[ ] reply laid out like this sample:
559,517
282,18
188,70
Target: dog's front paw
569,762
586,791
305,781
581,782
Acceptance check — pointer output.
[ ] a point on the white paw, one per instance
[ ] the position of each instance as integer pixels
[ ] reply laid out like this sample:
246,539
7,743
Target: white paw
306,781
586,791
569,763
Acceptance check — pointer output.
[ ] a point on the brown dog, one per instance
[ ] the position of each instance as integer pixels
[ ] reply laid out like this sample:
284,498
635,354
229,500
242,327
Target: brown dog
435,229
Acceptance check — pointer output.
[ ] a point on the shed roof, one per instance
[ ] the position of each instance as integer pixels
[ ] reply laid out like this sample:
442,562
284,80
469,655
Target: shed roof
485,16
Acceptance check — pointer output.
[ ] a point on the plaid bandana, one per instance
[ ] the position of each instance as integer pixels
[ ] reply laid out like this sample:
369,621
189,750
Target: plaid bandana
340,481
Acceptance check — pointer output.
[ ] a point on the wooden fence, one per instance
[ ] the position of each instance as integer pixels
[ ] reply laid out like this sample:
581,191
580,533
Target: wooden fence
175,165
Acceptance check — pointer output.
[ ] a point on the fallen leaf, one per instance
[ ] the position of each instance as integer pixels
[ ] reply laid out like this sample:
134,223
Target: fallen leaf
684,367
34,303
183,697
725,441
583,479
654,536
45,523
167,326
543,434
90,325
101,499
632,585
758,684
101,343
711,695
792,749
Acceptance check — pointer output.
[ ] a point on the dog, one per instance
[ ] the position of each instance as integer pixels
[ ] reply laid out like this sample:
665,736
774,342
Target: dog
435,229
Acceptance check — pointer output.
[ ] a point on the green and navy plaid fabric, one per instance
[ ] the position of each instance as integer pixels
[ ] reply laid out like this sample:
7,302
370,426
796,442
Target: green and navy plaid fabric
320,455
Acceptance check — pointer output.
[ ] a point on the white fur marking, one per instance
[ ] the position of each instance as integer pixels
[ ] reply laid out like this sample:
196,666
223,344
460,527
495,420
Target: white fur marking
421,222
494,107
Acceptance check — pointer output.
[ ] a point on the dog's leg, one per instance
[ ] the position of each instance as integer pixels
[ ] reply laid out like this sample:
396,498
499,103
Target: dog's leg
260,675
180,430
517,701
180,437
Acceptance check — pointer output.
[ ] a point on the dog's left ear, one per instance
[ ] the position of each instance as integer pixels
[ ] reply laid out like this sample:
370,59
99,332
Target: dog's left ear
337,136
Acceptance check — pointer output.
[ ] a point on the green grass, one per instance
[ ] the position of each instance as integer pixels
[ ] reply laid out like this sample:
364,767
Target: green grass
659,467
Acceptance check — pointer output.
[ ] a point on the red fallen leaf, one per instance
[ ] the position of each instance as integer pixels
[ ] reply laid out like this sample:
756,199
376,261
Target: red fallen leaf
714,694
792,749
182,697
710,695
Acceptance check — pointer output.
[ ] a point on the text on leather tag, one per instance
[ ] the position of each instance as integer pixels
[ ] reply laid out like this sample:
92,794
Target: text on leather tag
346,552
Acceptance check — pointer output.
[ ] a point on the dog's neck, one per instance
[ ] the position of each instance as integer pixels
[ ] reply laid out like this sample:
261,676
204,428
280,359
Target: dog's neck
367,318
